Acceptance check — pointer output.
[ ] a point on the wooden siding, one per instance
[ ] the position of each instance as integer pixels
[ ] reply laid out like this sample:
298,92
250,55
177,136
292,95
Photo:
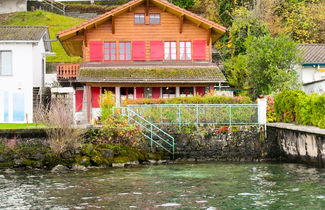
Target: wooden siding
126,30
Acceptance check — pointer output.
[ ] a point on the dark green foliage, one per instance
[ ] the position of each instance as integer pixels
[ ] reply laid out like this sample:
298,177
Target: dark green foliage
99,9
271,63
186,4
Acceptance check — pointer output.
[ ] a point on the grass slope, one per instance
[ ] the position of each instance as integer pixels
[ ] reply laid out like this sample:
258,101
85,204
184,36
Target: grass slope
20,126
55,22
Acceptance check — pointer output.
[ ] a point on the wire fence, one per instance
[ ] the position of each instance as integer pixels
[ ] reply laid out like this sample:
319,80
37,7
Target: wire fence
198,114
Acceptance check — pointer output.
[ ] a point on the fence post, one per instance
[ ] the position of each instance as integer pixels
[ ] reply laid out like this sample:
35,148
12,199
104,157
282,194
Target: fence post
230,115
151,137
179,117
261,107
197,115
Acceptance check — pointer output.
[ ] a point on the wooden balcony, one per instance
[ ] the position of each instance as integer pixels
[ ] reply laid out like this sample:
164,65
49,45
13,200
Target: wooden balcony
67,71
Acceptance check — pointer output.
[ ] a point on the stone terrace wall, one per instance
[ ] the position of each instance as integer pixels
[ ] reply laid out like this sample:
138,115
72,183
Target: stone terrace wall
245,143
305,144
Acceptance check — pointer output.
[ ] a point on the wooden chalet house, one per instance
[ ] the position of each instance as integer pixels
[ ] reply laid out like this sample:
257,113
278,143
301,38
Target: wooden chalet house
142,49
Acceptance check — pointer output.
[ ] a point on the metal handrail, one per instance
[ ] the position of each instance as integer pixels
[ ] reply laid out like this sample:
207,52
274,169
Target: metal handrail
55,5
171,142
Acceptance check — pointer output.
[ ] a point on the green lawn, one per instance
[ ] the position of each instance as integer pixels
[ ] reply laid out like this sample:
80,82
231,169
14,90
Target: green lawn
19,126
55,22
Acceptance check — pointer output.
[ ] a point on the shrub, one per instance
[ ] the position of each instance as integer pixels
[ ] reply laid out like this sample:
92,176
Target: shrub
90,8
296,106
271,116
285,105
192,100
116,130
59,120
107,102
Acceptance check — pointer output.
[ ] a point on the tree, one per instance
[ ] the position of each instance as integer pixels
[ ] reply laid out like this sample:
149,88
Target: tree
271,63
187,4
245,24
237,72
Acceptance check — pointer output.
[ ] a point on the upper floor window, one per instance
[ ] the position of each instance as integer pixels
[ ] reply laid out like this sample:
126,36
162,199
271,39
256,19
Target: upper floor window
125,50
170,51
139,19
185,51
109,51
154,18
5,63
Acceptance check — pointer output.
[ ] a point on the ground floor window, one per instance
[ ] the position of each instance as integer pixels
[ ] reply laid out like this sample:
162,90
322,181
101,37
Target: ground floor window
127,93
108,89
168,92
147,92
186,91
12,107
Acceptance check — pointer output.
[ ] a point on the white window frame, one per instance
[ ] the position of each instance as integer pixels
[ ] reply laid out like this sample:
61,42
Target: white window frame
11,63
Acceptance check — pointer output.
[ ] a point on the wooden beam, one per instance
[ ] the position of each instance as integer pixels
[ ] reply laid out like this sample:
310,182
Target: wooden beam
85,37
164,8
181,23
198,25
147,7
209,37
113,25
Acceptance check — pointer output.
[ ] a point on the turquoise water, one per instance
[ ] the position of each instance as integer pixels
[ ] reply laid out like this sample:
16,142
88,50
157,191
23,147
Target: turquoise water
180,186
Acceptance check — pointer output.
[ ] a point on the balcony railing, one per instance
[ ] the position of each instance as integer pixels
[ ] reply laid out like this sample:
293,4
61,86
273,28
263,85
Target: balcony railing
67,71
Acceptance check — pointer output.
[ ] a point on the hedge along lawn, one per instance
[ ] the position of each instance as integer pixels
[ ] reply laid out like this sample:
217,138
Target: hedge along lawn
20,126
55,22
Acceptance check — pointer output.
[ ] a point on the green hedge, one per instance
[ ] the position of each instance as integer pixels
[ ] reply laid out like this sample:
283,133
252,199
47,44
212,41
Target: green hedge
193,100
297,107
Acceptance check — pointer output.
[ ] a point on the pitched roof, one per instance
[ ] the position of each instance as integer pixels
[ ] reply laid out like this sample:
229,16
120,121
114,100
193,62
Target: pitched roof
187,14
312,53
22,33
151,73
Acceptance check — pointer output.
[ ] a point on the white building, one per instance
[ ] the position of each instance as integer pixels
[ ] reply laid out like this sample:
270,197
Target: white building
23,52
9,6
312,72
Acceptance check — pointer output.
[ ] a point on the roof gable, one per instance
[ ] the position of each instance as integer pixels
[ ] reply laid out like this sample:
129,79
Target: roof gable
164,5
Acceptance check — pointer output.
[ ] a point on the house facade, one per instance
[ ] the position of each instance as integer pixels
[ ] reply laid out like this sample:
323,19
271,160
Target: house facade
23,52
9,6
142,49
312,71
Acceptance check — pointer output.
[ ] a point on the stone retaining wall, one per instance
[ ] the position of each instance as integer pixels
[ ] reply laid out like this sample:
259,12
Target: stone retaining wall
305,144
244,143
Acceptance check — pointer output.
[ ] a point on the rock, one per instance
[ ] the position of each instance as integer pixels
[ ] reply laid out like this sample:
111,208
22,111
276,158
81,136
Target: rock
118,165
162,161
83,160
132,163
152,161
9,171
79,168
107,153
59,169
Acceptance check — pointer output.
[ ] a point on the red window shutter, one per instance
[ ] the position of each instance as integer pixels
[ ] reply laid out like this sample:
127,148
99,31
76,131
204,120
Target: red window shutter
157,50
79,99
96,50
139,50
200,91
139,92
95,96
199,50
156,92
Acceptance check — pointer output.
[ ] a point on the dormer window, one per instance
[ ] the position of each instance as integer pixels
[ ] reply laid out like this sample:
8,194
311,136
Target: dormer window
154,18
139,19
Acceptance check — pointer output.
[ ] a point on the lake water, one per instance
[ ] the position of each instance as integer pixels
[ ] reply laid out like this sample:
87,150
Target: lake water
180,186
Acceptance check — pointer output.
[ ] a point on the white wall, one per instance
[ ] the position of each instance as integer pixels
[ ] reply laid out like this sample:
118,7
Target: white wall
38,55
318,87
21,81
310,74
8,6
